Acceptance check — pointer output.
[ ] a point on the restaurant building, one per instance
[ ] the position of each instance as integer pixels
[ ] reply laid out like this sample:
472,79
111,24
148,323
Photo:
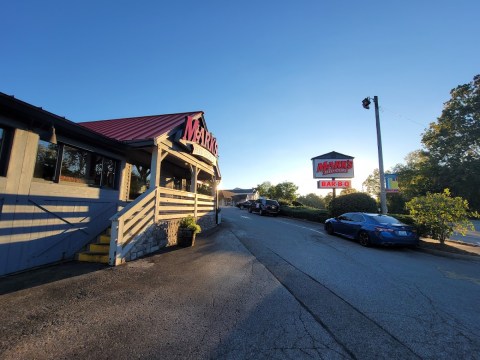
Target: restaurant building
108,191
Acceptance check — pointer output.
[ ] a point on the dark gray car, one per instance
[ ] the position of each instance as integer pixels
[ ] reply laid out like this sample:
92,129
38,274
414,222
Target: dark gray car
265,207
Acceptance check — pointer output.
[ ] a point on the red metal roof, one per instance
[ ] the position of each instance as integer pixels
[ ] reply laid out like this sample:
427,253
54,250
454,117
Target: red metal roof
138,128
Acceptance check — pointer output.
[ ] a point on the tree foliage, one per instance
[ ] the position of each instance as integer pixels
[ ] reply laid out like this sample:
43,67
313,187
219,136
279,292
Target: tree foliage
440,214
455,137
418,176
264,188
312,200
395,201
453,143
352,202
328,199
286,191
348,191
371,185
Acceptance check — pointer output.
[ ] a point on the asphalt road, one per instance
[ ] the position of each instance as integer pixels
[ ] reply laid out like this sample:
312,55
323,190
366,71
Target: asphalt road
410,302
255,288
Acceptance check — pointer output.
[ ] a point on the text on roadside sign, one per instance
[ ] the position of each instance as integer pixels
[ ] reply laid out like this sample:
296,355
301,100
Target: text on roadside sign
335,184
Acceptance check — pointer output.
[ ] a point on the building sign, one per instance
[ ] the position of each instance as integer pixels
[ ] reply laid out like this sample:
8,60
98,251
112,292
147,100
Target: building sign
204,153
332,168
195,132
334,184
391,183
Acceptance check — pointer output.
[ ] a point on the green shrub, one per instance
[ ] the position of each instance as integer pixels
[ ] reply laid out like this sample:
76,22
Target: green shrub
352,202
190,223
304,212
441,214
406,219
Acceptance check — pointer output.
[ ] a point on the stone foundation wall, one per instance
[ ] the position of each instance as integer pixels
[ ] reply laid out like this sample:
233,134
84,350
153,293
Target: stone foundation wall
163,234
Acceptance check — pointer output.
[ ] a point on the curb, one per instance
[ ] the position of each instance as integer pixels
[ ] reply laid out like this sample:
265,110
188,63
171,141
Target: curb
449,254
463,243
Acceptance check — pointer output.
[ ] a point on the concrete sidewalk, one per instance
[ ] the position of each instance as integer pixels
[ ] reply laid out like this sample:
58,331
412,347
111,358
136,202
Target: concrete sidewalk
454,249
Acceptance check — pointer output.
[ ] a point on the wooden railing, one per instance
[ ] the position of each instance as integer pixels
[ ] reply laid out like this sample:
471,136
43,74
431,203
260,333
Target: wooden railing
151,207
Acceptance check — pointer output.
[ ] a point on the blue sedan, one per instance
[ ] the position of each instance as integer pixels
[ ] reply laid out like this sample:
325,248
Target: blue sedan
372,229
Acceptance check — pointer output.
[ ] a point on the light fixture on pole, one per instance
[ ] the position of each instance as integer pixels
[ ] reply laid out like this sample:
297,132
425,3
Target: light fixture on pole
52,136
383,195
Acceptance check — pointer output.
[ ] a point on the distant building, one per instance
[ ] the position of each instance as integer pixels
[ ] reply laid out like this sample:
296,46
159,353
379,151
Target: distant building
237,195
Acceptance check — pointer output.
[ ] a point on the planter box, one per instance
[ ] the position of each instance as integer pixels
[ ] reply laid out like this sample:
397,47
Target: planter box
185,238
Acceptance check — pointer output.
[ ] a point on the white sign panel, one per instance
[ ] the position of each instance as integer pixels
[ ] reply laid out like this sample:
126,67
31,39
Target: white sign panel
204,153
332,168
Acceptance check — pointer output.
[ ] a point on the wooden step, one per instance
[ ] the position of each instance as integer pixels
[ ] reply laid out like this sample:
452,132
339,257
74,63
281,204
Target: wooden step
104,239
99,251
89,256
100,248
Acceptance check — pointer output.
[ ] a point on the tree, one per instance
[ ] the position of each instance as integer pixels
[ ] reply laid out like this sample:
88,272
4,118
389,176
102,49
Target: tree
396,203
371,185
418,176
312,200
264,188
441,214
328,199
285,191
453,143
455,137
348,191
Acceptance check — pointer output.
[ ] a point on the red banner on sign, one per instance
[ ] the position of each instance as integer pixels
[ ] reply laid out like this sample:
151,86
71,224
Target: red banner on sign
334,184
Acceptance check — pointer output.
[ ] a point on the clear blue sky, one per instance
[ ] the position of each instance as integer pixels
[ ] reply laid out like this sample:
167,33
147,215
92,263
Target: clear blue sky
279,81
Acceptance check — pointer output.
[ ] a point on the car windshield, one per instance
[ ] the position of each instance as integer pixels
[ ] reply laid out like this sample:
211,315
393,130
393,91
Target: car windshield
383,219
271,202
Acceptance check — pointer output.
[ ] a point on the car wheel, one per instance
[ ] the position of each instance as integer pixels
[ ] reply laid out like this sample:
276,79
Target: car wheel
363,238
261,212
329,229
250,210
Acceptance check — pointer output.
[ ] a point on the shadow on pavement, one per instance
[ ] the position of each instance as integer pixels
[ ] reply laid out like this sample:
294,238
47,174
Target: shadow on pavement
45,275
60,271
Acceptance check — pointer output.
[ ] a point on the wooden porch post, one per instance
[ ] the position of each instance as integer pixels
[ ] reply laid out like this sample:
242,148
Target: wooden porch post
215,199
194,171
155,166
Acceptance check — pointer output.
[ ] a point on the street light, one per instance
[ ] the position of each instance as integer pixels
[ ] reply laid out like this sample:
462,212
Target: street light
383,196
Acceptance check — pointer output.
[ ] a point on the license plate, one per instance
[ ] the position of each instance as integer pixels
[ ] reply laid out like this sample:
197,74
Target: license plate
402,233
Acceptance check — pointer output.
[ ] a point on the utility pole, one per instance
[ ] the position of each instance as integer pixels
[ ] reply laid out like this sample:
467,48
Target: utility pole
383,194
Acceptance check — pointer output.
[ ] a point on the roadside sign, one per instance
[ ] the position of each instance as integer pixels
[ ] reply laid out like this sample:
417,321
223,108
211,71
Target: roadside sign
334,184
